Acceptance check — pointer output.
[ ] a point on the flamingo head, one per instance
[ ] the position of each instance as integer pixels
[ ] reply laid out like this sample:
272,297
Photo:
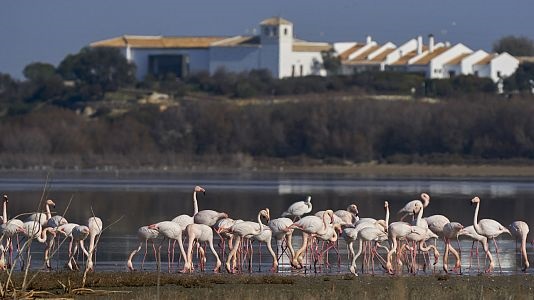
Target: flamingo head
223,215
426,199
85,230
337,227
308,199
50,202
5,198
386,205
331,215
417,207
199,189
153,226
265,213
353,209
475,200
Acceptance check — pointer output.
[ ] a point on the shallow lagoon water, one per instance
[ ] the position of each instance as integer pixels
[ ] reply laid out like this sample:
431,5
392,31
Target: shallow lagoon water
139,200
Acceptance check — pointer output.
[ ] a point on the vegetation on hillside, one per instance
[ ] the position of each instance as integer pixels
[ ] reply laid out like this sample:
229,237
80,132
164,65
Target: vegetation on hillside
336,119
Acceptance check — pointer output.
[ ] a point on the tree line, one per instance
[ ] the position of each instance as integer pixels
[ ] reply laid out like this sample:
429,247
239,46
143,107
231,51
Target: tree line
325,130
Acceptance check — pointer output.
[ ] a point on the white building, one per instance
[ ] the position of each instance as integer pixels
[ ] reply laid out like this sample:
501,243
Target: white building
275,49
435,60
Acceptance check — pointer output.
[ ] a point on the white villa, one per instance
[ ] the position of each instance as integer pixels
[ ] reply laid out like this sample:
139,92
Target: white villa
277,50
435,60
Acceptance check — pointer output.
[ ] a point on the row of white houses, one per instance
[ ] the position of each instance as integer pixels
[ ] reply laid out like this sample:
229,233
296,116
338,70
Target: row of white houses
276,49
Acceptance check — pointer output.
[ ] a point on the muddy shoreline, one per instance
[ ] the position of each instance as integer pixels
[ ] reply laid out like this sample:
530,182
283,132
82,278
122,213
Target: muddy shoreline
144,285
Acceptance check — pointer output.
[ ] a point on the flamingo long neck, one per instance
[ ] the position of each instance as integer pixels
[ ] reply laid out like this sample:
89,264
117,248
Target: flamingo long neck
524,250
195,203
387,217
42,237
259,222
4,213
323,231
48,213
419,217
475,219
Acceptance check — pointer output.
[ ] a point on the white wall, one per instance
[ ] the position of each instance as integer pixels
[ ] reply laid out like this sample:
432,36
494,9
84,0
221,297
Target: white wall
468,61
234,59
198,59
504,64
311,62
438,62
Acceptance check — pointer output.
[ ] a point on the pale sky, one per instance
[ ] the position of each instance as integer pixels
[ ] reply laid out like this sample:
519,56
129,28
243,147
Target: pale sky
47,31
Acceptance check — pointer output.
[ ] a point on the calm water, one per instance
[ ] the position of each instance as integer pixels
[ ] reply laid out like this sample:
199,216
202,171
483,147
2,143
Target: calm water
143,199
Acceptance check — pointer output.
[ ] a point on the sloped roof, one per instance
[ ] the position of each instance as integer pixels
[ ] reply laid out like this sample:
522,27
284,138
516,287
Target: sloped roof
275,21
159,41
485,60
427,58
238,41
310,47
458,59
363,55
405,58
345,54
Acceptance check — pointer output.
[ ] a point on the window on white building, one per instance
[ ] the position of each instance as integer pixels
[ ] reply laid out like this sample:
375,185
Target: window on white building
293,71
285,31
301,70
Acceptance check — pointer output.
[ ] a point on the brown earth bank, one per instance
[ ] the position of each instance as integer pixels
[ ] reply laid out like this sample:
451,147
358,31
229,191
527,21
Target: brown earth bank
142,285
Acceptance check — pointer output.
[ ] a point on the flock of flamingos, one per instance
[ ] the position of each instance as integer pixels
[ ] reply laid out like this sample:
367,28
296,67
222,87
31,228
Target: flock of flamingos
402,242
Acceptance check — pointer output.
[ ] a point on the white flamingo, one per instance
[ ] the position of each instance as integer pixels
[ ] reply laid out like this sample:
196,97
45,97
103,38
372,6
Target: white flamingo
350,215
184,220
79,235
409,208
470,233
299,208
310,226
244,230
95,229
450,231
282,234
144,234
519,230
199,233
488,228
42,218
173,232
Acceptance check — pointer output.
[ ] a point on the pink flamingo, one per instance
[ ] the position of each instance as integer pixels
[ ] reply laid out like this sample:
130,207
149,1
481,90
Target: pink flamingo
408,209
450,231
171,231
299,208
350,215
519,230
144,234
470,232
200,233
488,228
244,230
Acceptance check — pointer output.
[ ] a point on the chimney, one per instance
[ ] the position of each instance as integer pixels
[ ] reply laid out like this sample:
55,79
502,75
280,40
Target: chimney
368,40
430,43
419,45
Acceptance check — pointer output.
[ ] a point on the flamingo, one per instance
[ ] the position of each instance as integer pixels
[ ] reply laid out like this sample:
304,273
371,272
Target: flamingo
488,228
334,220
144,234
207,217
419,234
184,220
200,233
246,229
310,226
350,215
298,209
34,231
470,232
9,228
172,231
95,229
450,231
281,233
79,234
265,236
408,209
519,230
42,218
376,232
